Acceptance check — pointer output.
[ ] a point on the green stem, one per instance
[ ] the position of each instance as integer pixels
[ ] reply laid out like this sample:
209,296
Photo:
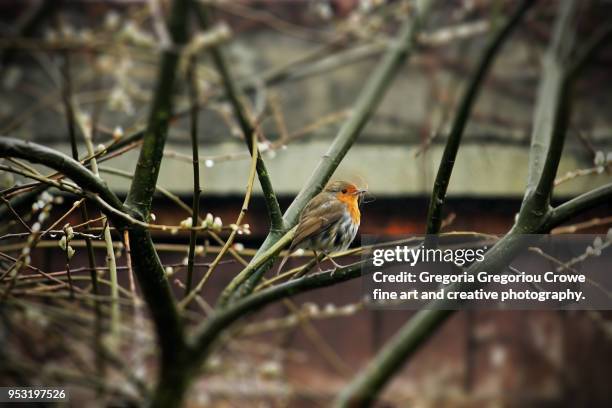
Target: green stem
111,263
258,262
549,105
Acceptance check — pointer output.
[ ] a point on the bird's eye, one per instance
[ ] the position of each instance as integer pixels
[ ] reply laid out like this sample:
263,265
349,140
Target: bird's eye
344,191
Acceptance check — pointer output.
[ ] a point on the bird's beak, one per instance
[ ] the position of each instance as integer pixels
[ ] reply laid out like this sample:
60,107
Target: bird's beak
364,196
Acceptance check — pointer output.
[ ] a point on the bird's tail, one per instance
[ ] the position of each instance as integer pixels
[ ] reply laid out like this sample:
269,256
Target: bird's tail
285,258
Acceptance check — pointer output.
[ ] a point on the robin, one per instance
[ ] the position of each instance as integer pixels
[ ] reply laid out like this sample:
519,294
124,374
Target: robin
330,221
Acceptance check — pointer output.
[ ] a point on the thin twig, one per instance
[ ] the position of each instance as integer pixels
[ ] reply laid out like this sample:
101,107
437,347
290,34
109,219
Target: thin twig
193,97
111,262
572,229
246,123
230,240
17,216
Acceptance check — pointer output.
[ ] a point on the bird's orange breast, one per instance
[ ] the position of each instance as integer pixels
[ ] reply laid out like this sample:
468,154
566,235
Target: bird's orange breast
352,205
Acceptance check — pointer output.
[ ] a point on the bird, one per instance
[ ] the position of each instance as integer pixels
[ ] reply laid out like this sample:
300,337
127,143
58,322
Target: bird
329,222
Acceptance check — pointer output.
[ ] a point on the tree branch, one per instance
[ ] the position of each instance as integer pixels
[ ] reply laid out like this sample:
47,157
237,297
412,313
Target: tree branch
550,104
35,153
141,191
258,263
438,196
168,325
209,332
368,100
575,206
248,129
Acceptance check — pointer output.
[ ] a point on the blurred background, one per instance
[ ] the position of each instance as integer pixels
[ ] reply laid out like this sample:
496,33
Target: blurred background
301,65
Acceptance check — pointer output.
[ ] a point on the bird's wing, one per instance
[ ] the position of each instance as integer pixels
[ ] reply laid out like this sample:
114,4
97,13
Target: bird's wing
319,215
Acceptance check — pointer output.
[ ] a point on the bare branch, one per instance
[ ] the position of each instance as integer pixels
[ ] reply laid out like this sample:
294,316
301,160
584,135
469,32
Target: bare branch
436,202
575,206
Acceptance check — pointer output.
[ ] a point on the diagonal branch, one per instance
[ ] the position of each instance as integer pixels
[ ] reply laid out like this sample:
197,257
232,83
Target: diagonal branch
575,206
368,100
